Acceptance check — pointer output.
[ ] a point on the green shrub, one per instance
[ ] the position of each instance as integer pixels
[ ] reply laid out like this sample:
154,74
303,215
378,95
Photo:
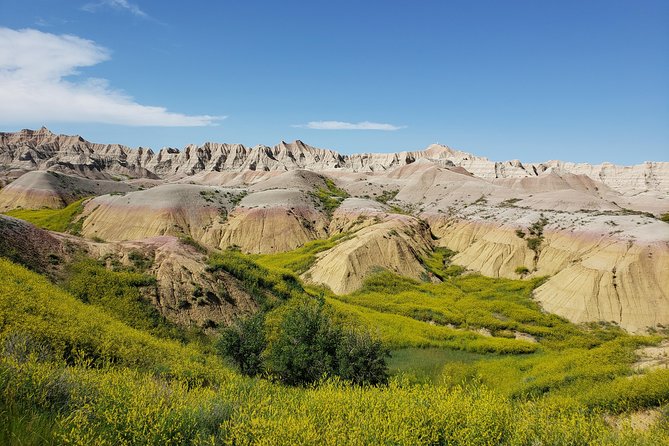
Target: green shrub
386,196
190,241
305,344
243,343
139,260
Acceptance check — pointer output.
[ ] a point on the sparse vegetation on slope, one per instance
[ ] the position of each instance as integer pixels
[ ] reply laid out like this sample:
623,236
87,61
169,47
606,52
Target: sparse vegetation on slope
534,236
300,259
268,287
386,196
439,263
330,197
121,294
68,329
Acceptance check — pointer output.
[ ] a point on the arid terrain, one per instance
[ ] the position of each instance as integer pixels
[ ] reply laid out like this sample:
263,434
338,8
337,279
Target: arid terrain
593,230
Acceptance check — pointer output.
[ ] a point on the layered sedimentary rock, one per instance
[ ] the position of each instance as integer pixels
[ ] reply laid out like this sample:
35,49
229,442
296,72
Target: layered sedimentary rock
171,209
186,292
28,150
599,268
48,189
32,247
273,221
602,245
395,244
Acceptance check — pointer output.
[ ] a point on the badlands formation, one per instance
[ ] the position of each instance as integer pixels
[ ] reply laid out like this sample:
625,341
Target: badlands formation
593,230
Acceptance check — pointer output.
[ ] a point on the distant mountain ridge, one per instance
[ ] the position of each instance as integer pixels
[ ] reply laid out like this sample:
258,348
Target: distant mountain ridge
28,150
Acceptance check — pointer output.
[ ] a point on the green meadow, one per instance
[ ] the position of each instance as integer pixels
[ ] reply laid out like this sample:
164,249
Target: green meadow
474,362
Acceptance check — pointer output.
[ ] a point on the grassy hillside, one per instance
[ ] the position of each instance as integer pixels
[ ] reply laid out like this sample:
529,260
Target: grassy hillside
506,341
73,373
59,220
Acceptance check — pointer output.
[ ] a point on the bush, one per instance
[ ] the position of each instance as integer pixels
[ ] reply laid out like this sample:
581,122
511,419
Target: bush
305,344
190,241
243,343
361,358
522,270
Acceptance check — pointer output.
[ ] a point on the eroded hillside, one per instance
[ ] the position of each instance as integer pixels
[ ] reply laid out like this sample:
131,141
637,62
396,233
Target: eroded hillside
595,232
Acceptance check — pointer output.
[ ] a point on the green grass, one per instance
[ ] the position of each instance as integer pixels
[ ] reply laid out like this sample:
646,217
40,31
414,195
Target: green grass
565,361
29,426
59,220
330,196
427,364
300,259
439,263
267,286
73,373
453,317
37,313
120,294
468,302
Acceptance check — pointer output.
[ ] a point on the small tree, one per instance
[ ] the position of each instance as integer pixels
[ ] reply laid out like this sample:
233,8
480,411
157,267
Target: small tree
305,344
243,343
361,358
302,342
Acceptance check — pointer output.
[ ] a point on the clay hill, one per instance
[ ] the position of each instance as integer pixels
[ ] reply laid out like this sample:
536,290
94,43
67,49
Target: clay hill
595,231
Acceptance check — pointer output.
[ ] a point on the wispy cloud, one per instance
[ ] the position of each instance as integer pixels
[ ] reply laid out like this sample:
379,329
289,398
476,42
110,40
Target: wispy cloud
52,21
121,5
38,74
341,125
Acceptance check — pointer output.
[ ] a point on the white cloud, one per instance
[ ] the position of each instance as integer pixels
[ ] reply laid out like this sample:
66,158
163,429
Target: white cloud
340,125
115,4
34,85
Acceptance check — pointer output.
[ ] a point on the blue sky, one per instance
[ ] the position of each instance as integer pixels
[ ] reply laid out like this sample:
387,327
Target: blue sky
533,80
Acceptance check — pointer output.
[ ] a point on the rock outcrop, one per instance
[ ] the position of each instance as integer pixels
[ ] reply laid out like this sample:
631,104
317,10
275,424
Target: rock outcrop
602,268
170,209
396,244
48,189
29,150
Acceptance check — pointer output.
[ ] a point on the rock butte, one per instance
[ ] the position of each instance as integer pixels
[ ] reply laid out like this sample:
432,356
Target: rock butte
604,250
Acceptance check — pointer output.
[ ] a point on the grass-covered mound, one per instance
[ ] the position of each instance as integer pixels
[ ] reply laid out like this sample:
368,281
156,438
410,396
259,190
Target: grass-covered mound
36,314
59,220
300,259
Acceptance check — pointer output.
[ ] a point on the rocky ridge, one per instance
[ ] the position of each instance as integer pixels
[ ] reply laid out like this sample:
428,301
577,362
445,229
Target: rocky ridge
41,149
